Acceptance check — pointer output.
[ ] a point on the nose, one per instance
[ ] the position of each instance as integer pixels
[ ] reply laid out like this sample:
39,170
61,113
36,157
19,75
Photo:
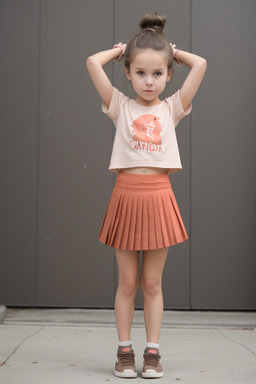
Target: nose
149,80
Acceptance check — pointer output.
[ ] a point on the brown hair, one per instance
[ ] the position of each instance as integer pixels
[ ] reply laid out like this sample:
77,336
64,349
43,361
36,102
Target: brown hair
151,36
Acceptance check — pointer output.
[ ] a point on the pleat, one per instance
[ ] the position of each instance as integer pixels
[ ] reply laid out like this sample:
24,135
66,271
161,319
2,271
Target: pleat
114,222
144,224
138,230
182,230
108,219
142,216
170,219
176,234
122,219
158,228
151,224
132,227
166,239
125,234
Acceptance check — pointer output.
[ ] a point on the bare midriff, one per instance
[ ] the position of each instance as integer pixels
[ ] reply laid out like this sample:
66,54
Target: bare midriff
144,170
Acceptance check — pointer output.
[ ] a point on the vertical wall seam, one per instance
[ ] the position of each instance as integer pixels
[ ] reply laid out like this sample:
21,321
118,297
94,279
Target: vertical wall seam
113,128
190,182
112,64
38,146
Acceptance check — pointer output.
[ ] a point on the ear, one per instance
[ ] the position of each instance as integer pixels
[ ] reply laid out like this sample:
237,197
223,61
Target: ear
169,76
126,70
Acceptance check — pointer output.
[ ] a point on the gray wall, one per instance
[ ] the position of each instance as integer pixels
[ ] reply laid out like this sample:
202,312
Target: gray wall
223,264
56,145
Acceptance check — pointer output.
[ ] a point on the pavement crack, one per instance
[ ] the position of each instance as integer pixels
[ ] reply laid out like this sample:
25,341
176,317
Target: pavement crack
20,344
236,342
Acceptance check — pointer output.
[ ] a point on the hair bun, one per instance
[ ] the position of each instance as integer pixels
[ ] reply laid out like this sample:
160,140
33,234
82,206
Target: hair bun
153,21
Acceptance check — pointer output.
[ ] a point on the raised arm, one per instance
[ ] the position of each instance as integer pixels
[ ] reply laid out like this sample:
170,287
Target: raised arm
95,64
197,67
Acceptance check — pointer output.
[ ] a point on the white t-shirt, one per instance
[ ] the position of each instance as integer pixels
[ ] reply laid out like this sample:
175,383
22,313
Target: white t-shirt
145,136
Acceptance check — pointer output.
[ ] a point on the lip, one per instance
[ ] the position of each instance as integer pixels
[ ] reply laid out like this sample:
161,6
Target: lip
148,91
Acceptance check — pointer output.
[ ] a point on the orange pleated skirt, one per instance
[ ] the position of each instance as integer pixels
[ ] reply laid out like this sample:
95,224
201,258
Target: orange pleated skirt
142,214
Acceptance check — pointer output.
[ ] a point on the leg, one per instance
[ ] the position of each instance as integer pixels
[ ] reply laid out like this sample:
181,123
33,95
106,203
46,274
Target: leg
128,269
151,283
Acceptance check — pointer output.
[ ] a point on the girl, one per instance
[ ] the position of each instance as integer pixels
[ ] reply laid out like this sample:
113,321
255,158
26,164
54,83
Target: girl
142,213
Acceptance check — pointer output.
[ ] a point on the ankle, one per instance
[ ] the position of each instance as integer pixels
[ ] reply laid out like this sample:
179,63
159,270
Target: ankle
124,343
152,345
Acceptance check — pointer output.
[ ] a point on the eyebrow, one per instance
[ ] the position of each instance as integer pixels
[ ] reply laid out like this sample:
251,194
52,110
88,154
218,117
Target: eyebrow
156,69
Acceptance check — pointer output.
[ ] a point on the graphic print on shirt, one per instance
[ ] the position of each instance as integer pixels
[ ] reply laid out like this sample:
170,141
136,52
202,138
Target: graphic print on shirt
146,134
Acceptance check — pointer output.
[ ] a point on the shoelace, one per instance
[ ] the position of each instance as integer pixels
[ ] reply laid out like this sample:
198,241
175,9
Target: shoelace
126,358
151,359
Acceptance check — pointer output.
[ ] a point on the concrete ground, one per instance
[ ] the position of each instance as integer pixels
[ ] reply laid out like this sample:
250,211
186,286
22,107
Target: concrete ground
53,346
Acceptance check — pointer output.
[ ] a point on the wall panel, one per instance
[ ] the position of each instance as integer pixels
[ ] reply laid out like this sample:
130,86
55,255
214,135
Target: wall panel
73,268
19,79
223,157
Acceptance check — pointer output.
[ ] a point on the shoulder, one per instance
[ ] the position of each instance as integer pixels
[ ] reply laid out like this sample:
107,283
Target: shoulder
176,107
118,100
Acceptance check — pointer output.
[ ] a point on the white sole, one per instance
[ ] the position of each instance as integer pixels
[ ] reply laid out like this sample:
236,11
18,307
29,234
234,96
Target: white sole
151,374
128,373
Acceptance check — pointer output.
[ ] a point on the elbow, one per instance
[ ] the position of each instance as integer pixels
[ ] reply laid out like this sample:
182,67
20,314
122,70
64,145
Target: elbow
92,63
204,64
201,66
89,62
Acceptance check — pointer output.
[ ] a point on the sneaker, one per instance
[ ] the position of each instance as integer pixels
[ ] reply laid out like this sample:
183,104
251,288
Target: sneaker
151,366
125,365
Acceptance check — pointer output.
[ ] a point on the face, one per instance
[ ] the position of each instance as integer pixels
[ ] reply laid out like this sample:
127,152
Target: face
148,74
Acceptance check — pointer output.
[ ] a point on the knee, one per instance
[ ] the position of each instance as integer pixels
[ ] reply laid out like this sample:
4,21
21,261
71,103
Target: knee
129,285
151,286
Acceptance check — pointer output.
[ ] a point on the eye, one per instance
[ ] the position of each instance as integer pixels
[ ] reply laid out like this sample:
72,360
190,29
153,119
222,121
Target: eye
157,74
140,73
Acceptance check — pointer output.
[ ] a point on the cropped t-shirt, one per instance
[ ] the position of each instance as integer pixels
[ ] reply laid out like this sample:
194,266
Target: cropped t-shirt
145,136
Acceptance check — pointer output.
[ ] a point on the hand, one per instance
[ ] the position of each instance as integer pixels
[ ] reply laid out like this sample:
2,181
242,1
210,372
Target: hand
174,50
123,48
